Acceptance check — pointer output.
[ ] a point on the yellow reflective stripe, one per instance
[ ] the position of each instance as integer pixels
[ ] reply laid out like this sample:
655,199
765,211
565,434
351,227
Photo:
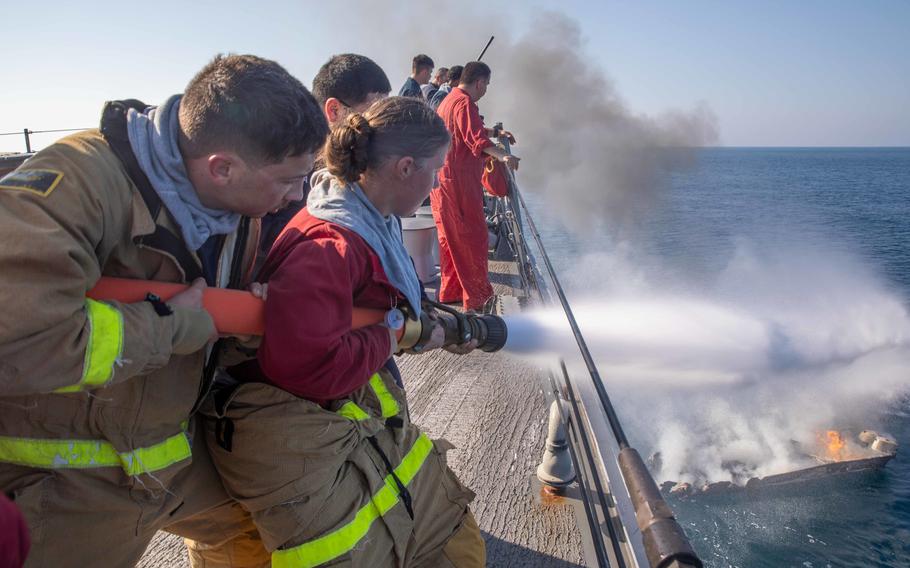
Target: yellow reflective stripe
352,411
161,455
54,454
412,462
338,542
105,345
81,454
387,402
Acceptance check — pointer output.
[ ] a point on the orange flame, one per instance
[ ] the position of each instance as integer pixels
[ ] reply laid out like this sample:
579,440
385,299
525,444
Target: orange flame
835,445
832,446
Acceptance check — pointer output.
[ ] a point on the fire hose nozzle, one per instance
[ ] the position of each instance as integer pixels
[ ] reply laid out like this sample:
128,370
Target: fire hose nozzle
490,331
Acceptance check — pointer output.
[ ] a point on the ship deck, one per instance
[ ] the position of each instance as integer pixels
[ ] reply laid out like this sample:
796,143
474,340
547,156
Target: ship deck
494,410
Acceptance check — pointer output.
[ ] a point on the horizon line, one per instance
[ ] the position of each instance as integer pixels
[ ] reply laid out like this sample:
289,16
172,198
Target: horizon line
794,146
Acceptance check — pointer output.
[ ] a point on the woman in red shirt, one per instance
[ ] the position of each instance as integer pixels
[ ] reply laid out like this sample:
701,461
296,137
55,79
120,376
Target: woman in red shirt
316,441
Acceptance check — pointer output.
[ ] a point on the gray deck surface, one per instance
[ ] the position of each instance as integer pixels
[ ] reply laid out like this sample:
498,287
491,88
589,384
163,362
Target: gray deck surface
493,409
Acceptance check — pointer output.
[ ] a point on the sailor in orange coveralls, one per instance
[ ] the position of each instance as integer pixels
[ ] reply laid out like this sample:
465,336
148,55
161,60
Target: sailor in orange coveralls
458,201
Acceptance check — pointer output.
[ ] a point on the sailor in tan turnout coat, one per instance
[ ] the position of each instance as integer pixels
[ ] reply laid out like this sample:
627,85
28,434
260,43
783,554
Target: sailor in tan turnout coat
99,446
315,439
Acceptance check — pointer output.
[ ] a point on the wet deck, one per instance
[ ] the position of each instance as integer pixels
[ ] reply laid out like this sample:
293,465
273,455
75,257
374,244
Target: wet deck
494,410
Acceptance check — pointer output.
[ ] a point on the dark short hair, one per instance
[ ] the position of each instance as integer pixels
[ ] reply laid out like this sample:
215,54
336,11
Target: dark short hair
421,62
455,74
396,126
251,106
473,71
349,78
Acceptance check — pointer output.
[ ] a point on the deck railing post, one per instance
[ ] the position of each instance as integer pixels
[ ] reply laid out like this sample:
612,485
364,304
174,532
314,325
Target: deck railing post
28,142
555,467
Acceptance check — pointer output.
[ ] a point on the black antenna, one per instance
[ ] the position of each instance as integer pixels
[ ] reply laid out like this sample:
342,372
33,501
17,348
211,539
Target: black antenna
485,48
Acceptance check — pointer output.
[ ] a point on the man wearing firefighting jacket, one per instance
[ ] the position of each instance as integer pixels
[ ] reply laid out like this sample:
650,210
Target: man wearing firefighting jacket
99,446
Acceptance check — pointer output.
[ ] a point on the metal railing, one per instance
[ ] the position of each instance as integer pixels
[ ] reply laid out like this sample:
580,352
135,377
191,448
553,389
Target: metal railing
27,134
663,542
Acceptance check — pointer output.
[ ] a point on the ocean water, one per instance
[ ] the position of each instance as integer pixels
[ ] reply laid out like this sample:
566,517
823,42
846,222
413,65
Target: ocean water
768,233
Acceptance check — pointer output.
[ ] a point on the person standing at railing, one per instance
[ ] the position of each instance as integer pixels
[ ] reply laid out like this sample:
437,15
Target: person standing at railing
421,70
458,201
454,77
439,79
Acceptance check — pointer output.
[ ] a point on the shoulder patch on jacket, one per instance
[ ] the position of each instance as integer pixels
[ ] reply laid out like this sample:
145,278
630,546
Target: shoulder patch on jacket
39,182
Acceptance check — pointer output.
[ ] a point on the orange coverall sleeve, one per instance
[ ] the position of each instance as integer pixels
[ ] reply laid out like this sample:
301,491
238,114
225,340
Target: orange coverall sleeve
471,129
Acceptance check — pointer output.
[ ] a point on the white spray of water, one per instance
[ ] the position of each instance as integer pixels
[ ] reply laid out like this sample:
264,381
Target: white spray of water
668,340
723,382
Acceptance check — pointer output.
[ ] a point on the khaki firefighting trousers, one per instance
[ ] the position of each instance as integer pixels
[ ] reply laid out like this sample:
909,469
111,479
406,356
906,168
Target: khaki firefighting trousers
355,485
99,517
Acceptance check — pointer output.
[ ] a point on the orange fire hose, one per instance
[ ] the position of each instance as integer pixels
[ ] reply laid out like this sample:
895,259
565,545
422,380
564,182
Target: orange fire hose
236,312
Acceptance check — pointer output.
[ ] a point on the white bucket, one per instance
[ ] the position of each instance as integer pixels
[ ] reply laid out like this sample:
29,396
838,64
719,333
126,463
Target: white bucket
427,212
419,234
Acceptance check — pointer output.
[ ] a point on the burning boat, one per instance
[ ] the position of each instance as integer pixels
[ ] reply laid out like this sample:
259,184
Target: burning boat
832,453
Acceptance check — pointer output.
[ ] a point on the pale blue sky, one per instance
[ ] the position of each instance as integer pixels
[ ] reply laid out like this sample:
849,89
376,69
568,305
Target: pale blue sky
774,73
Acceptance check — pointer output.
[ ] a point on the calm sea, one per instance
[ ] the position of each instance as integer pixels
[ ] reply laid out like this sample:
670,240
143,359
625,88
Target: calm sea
853,201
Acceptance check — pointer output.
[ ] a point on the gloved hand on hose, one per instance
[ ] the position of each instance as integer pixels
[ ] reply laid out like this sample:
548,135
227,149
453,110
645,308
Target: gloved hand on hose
424,334
439,332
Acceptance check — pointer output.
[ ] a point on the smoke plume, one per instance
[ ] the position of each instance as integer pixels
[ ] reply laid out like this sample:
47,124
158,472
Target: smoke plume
581,145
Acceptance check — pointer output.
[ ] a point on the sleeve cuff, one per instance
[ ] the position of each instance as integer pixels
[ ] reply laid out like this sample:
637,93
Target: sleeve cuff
192,330
483,146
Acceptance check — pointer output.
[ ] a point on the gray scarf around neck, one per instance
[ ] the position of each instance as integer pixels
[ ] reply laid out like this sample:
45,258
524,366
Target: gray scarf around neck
348,206
153,137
